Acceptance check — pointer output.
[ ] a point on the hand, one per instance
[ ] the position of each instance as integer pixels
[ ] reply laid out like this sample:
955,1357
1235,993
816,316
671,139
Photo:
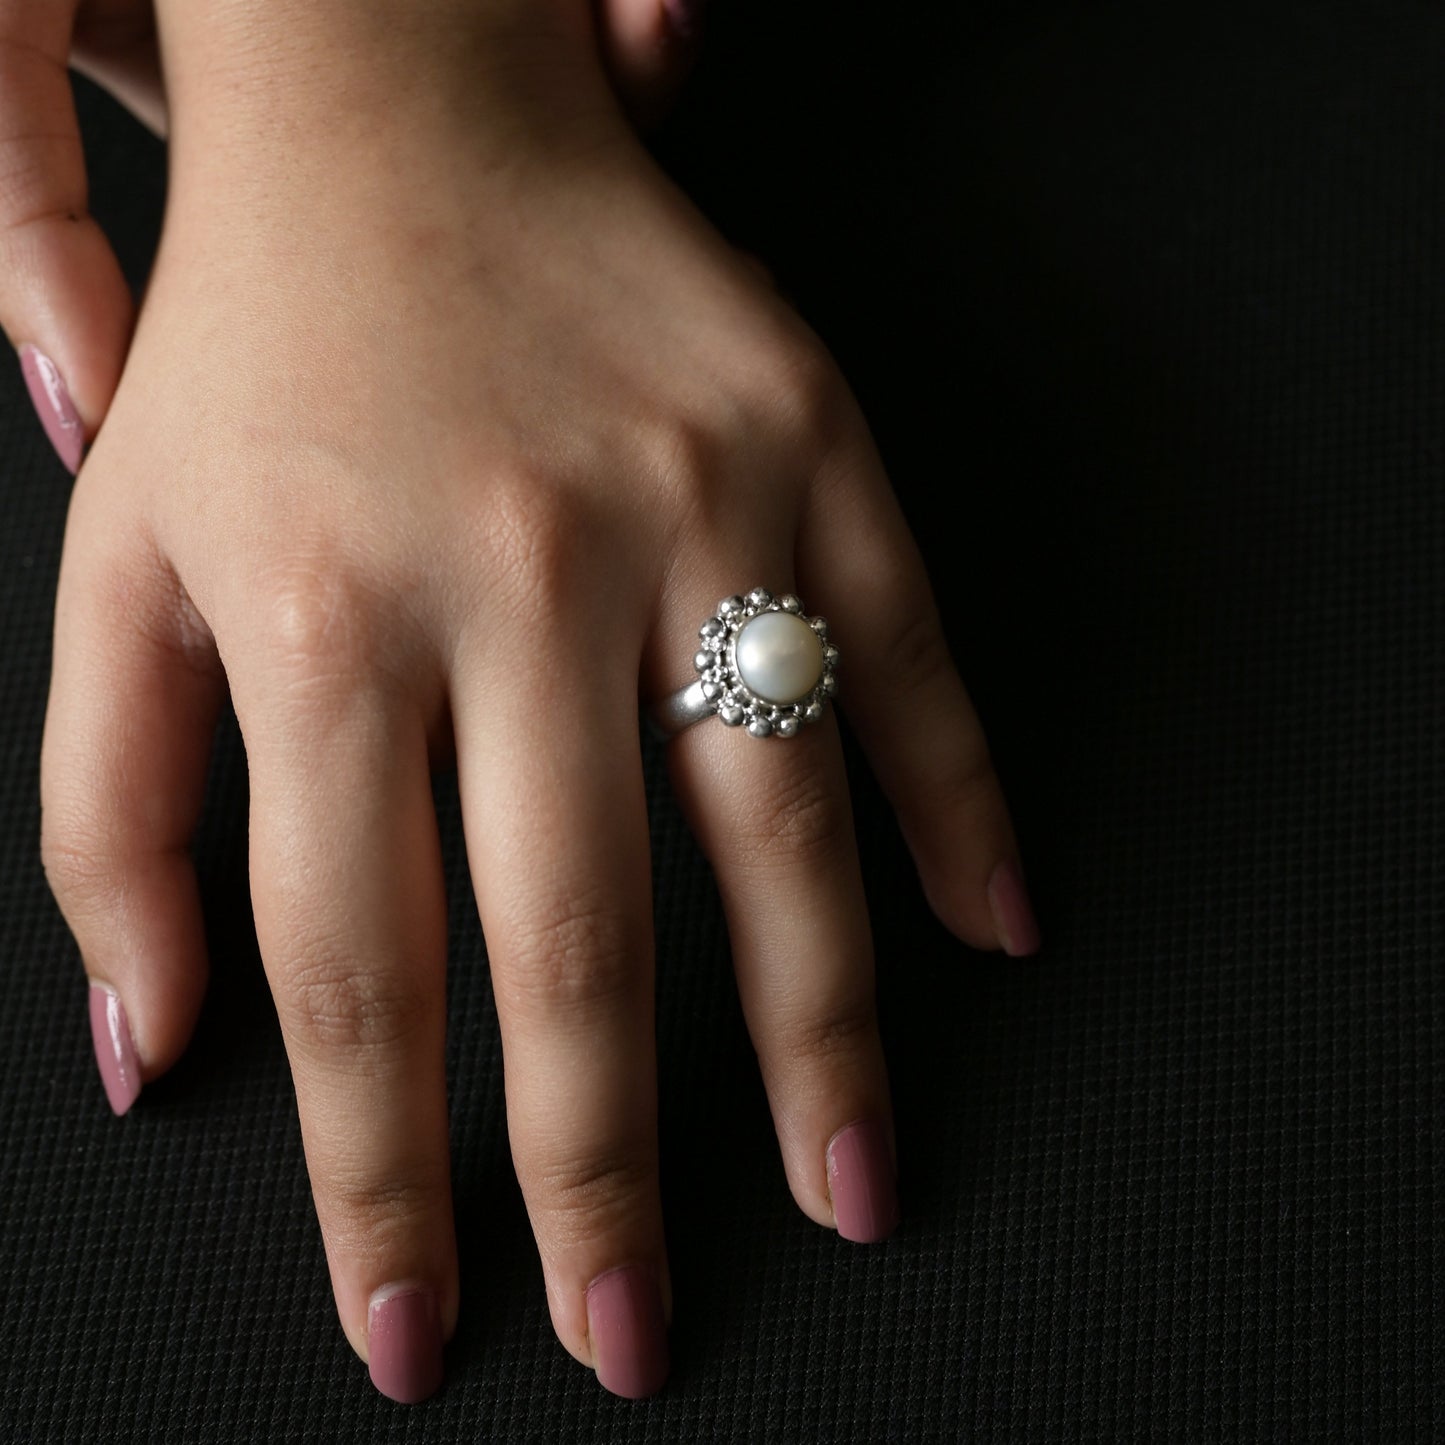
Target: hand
63,301
445,424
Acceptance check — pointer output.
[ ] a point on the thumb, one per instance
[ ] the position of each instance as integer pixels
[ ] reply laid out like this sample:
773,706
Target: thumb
63,301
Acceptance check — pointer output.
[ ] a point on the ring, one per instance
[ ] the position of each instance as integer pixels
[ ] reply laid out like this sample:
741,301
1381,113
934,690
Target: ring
763,664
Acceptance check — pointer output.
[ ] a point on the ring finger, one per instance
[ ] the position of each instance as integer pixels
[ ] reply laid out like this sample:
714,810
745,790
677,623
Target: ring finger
773,817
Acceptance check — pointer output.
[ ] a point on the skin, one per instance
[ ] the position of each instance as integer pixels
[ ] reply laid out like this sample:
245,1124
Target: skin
433,409
60,285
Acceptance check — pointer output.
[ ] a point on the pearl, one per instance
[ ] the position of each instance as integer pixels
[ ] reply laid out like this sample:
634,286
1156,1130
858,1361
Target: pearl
779,657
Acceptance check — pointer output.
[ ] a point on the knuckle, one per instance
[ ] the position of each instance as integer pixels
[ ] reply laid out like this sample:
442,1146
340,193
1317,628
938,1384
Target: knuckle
790,399
31,192
956,770
320,626
589,1195
845,1029
680,452
39,166
579,955
912,641
333,1006
535,536
799,820
26,189
698,499
79,865
805,392
962,780
362,1203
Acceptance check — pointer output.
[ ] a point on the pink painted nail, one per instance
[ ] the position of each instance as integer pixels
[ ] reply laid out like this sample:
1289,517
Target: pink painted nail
114,1051
404,1340
52,401
861,1182
1018,932
629,1332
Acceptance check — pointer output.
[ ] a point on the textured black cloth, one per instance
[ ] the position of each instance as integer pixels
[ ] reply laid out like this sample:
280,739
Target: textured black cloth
1147,306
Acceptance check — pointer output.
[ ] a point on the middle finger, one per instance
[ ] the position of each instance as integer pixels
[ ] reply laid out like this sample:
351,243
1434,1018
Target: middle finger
556,826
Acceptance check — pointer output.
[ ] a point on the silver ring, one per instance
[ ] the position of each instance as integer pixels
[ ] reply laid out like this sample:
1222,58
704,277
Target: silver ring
763,664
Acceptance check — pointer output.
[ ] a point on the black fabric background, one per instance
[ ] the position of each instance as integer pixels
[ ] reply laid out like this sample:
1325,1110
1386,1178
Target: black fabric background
1155,298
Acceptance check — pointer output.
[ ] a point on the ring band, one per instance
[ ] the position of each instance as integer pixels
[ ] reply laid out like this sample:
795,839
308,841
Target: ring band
763,664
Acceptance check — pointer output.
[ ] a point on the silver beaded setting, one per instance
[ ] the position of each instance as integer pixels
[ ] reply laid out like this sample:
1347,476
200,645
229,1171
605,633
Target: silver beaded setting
722,685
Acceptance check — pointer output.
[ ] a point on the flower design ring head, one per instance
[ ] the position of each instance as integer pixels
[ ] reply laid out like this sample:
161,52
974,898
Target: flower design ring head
762,665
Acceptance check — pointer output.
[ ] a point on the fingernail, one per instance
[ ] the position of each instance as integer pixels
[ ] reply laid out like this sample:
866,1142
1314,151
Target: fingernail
684,16
861,1182
1018,932
52,401
114,1051
404,1340
629,1333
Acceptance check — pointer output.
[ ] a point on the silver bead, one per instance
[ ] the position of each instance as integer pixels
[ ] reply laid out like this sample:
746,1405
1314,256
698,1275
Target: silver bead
760,597
819,625
786,726
703,660
830,656
730,607
732,715
813,712
712,690
789,603
829,685
760,727
713,627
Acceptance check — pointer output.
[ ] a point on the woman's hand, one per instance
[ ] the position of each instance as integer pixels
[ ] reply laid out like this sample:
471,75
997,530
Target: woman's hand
447,420
63,301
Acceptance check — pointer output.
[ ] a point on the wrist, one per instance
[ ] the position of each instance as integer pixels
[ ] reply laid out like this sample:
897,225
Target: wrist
258,77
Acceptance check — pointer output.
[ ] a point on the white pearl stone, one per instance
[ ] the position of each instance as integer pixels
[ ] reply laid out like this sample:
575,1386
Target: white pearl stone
779,657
